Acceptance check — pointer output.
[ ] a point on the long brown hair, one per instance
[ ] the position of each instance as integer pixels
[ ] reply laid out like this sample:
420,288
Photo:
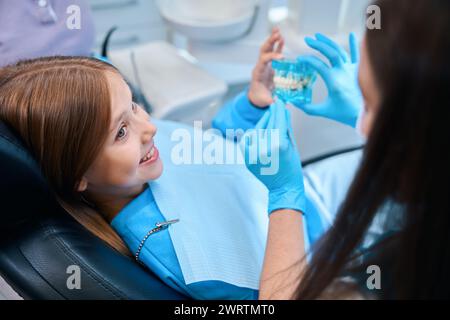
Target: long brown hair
406,162
60,106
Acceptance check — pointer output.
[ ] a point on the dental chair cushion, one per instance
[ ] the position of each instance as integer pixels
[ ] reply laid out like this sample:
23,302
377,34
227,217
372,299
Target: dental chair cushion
44,251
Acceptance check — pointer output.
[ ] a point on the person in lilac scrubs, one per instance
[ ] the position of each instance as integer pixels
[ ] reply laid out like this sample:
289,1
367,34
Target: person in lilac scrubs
38,28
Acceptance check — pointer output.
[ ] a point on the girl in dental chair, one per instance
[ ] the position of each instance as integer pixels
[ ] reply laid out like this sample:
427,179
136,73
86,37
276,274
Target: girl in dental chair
199,228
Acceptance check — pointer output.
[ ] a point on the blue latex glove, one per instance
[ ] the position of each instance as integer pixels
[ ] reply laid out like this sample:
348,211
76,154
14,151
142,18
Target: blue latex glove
344,95
272,140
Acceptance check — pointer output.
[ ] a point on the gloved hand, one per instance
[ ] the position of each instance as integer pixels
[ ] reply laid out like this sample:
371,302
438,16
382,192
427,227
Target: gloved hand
271,155
344,95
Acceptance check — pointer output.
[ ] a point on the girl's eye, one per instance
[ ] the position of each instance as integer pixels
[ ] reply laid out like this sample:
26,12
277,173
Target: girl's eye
122,132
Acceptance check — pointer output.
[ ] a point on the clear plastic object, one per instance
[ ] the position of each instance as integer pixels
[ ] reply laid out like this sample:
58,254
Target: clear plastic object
293,80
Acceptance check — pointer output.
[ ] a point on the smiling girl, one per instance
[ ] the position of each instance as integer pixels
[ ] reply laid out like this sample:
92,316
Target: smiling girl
97,149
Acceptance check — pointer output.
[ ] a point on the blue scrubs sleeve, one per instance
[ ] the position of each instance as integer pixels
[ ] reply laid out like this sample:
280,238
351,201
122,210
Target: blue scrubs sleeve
239,113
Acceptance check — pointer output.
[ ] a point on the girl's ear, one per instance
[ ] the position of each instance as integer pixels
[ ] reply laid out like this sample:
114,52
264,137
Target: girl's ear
82,186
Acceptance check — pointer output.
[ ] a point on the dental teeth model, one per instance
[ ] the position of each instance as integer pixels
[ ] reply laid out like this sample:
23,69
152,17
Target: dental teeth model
293,80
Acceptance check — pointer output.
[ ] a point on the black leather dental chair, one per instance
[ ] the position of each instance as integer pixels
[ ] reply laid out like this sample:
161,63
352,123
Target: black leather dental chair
40,241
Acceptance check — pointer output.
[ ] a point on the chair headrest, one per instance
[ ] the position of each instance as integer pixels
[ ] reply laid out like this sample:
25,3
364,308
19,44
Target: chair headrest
24,192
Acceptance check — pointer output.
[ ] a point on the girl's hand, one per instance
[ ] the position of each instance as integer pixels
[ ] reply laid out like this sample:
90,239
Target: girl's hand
261,85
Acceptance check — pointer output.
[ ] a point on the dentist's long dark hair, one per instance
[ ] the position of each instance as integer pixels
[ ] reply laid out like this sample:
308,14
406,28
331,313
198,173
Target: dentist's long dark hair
406,160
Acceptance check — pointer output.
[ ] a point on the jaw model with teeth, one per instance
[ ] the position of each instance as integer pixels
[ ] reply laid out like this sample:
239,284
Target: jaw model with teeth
293,80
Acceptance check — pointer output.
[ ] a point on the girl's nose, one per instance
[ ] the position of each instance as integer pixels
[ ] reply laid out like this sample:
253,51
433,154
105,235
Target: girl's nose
148,131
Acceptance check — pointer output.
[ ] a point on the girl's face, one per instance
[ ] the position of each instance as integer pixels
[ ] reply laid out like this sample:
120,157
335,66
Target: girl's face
129,157
369,91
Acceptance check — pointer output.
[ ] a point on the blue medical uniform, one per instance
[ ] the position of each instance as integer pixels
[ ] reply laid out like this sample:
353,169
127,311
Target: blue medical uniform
134,221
